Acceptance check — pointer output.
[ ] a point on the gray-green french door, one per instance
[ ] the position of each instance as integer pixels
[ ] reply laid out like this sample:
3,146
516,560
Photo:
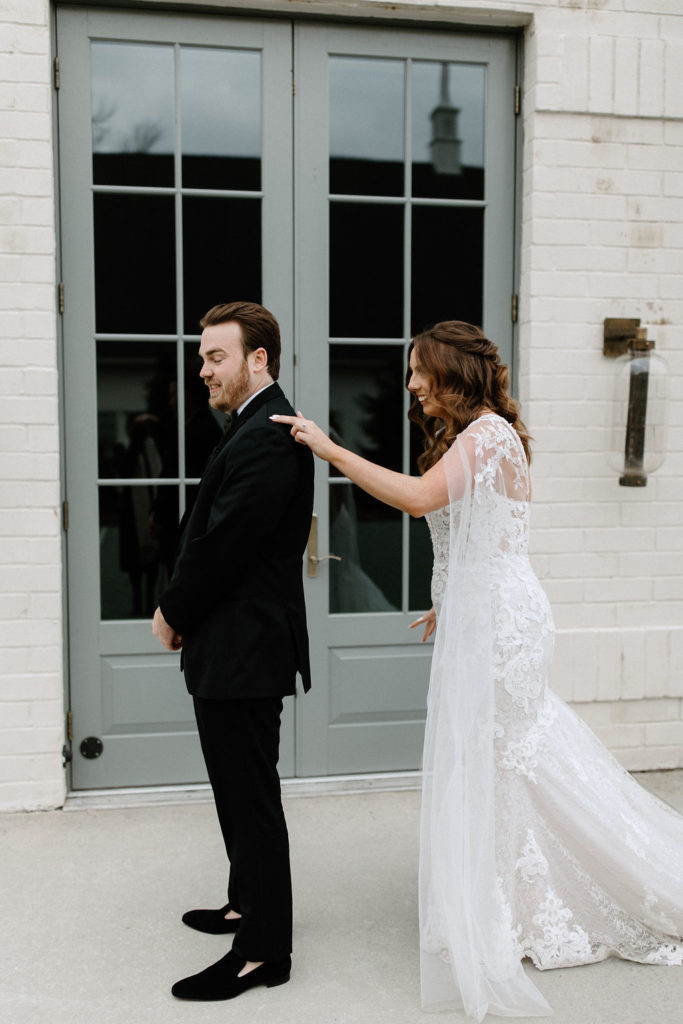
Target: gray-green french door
404,217
360,184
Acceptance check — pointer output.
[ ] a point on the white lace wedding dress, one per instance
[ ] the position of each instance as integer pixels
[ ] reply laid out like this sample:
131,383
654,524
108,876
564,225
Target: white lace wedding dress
535,842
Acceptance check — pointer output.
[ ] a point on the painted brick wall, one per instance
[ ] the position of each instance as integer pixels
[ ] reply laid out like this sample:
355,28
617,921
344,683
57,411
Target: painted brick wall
31,683
603,237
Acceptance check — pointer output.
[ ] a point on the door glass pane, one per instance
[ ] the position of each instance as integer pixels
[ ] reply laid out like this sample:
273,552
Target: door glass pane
448,129
221,254
366,126
137,538
420,565
220,102
421,557
366,401
367,536
447,265
136,409
366,270
134,264
131,87
203,426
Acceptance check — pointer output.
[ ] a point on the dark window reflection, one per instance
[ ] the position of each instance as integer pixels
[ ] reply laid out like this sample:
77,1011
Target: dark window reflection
132,97
367,535
366,401
220,97
221,254
420,565
366,126
448,130
136,549
137,409
447,265
203,427
366,270
134,264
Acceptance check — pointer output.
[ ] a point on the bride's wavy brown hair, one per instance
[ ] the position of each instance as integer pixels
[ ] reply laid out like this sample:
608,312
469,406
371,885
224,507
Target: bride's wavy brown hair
466,377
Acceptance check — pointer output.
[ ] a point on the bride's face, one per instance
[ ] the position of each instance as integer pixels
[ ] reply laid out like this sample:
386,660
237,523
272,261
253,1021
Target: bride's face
421,386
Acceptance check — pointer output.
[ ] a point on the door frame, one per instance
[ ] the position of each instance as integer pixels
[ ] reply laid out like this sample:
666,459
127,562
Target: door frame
299,324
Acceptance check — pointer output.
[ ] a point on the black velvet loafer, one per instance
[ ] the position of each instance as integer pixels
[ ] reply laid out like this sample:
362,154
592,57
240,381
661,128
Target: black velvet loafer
222,981
213,922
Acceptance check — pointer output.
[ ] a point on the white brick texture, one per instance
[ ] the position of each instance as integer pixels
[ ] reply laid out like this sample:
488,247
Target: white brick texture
31,622
602,236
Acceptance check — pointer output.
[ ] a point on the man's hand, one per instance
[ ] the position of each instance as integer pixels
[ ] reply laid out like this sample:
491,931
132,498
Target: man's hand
171,640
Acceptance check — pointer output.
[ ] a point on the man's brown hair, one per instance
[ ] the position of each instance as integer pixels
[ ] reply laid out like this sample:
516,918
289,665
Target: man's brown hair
258,327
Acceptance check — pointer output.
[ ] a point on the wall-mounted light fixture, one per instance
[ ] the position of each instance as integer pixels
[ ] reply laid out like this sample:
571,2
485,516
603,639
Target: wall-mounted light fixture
640,404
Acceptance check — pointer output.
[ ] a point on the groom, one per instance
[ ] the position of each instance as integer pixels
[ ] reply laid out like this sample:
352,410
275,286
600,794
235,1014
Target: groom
235,605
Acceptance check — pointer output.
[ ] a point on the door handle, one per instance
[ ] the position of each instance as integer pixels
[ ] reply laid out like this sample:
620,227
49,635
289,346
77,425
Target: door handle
313,559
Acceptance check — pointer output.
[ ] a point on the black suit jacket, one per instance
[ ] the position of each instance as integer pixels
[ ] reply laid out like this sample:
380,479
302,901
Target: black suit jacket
236,595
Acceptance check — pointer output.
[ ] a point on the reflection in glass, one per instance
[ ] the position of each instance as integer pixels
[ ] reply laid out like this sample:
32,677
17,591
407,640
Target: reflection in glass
419,565
448,130
136,409
447,265
134,264
220,102
221,254
366,126
203,426
366,401
366,270
367,535
131,86
136,548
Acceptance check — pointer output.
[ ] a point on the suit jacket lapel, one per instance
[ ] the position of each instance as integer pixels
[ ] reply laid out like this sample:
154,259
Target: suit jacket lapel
267,395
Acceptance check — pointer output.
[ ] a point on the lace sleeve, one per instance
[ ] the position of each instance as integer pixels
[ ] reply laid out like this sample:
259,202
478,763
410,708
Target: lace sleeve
496,457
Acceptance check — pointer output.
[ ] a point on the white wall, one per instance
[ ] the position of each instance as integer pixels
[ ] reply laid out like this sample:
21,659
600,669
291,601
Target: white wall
602,236
31,678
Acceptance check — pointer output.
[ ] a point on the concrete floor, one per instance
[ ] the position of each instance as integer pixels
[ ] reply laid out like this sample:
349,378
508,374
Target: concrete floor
91,931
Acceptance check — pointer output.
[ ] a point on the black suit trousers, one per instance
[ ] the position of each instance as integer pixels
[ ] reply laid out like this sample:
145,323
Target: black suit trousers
241,741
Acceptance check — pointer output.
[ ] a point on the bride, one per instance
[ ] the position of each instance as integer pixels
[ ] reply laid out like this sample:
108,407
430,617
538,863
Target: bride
535,842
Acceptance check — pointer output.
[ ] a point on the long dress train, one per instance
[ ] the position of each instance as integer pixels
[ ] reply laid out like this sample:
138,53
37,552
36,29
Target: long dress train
535,842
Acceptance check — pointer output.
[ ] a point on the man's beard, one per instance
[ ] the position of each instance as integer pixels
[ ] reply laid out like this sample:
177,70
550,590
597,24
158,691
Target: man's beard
236,391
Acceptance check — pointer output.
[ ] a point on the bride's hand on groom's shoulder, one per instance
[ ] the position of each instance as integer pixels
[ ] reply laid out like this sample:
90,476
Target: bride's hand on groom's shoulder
430,620
309,433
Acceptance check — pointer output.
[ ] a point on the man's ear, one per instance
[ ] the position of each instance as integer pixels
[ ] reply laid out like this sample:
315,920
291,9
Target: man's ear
258,359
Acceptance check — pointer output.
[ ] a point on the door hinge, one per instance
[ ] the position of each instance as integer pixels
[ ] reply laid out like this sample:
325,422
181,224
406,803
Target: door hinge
56,72
515,307
293,86
518,99
60,296
70,726
65,515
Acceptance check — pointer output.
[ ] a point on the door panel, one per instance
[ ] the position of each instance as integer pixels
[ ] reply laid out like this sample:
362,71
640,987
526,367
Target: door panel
175,147
409,174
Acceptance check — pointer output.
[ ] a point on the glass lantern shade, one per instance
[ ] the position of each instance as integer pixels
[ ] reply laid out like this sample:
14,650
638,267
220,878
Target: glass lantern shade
639,416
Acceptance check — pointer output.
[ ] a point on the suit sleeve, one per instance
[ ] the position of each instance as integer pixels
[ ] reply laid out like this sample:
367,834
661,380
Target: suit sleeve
258,481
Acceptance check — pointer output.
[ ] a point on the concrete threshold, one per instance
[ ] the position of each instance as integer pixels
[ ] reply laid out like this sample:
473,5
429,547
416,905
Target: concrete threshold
327,785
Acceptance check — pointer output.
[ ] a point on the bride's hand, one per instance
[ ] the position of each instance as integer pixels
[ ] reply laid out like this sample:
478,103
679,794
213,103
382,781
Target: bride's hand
309,433
430,619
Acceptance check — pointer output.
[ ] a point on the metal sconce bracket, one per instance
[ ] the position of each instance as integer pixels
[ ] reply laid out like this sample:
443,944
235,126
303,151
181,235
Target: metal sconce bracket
619,333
